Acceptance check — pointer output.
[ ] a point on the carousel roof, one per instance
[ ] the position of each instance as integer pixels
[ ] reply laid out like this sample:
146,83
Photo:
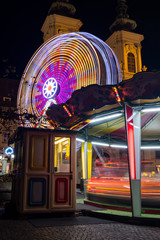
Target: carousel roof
141,91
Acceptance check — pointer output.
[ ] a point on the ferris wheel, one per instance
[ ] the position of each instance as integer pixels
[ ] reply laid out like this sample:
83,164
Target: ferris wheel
50,88
62,65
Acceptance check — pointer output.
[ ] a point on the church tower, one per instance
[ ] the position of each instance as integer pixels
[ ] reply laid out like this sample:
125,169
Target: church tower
125,43
60,19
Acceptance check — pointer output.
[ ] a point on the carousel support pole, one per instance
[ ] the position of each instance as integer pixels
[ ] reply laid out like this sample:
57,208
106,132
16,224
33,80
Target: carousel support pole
84,156
86,163
89,159
86,170
133,128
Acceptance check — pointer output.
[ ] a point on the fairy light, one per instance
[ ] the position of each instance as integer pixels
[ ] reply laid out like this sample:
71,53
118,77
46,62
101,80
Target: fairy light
117,94
67,111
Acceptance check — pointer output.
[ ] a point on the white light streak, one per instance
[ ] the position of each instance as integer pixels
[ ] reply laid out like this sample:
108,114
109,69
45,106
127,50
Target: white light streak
100,144
118,146
79,140
150,147
60,140
106,117
150,110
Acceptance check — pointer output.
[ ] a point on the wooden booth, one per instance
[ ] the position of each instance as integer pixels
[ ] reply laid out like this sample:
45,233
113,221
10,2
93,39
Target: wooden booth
44,171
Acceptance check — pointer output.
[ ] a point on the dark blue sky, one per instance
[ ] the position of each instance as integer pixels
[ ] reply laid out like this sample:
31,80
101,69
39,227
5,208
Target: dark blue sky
20,24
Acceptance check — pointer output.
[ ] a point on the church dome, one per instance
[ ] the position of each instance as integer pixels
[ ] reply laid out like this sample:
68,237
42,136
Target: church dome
62,7
122,21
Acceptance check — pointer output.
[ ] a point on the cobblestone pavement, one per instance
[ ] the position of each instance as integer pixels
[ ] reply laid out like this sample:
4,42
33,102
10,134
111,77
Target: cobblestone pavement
23,229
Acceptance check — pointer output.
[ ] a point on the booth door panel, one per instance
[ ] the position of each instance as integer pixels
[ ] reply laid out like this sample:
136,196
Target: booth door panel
61,176
62,190
38,153
37,173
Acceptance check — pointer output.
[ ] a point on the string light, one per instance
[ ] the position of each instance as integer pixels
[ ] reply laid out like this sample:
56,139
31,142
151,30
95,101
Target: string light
117,95
67,111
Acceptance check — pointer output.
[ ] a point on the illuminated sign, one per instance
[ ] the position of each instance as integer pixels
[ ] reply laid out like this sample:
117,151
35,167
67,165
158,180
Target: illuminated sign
9,151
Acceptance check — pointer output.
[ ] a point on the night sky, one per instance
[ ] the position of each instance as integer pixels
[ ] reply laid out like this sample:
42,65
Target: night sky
20,24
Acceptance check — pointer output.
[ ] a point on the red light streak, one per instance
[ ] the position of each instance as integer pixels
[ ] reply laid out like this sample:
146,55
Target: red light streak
131,147
120,187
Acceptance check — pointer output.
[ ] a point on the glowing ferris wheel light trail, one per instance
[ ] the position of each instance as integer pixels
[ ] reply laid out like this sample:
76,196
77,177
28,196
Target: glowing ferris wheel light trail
62,65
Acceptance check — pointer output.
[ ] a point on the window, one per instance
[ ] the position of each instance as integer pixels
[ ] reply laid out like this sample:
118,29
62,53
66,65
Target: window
5,137
6,99
60,30
62,154
131,63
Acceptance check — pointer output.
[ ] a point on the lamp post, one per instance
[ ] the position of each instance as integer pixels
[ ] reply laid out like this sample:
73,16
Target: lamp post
4,165
1,163
12,160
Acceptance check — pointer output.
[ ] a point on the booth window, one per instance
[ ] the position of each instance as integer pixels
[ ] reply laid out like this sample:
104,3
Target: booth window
62,154
131,62
59,30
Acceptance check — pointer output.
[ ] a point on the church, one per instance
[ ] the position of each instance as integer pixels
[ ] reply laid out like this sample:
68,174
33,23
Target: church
124,41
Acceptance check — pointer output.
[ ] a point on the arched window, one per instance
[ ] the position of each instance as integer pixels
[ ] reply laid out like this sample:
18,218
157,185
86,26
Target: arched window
131,63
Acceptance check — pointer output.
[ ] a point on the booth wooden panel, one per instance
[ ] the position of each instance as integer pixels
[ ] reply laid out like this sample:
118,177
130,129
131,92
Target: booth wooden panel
35,194
37,191
61,190
38,152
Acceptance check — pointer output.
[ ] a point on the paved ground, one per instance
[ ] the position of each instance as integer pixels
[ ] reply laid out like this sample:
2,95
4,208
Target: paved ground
77,228
110,230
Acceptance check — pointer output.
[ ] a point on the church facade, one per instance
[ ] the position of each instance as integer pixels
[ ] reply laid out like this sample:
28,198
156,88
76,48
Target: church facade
123,40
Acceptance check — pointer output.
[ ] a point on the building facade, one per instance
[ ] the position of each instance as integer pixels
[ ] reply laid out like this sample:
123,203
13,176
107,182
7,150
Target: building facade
125,42
8,104
60,19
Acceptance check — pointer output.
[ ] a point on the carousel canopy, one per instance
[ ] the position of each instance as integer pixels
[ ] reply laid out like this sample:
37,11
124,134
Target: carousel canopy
94,101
